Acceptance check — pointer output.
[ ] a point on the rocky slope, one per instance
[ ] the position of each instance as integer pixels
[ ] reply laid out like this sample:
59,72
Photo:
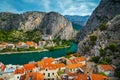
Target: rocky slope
101,38
106,10
101,35
48,23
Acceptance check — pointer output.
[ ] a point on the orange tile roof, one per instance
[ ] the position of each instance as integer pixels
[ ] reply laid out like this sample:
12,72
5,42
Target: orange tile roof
78,59
4,43
30,66
77,65
107,67
98,77
78,76
1,79
72,61
3,67
47,63
29,42
34,76
19,71
60,65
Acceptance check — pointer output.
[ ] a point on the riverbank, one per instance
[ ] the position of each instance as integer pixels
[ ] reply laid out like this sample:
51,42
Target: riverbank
23,58
32,51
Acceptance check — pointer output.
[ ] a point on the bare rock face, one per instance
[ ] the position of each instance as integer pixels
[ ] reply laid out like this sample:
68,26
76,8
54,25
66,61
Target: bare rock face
48,23
104,38
31,20
106,10
57,25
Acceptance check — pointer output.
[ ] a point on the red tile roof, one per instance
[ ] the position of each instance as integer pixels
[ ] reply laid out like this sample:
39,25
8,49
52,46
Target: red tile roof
78,76
47,63
19,71
77,65
98,77
34,76
30,66
107,67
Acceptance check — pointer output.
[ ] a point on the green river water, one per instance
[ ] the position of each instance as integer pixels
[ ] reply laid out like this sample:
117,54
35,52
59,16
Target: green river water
23,58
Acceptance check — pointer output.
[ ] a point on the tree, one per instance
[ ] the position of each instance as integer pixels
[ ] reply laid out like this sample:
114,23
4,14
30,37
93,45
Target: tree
113,47
102,52
93,37
102,26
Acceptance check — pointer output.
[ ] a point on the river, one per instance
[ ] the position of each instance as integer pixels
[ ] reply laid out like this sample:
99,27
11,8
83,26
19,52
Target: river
23,58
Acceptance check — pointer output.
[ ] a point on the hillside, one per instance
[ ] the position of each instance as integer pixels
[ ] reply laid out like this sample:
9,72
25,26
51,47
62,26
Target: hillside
41,23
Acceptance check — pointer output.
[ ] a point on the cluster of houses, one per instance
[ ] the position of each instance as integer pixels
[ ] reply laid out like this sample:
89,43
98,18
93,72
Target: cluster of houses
73,68
45,41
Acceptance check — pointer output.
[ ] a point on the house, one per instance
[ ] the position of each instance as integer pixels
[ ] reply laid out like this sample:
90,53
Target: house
98,77
22,45
2,67
18,73
47,37
78,76
32,44
81,60
49,69
10,46
107,69
74,68
7,76
31,67
42,43
2,46
10,68
34,76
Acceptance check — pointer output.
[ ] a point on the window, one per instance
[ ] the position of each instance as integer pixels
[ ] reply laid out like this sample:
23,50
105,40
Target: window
46,69
52,73
48,74
18,77
43,73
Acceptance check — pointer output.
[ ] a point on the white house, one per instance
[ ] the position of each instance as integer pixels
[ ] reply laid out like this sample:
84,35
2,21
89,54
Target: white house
41,44
107,69
47,37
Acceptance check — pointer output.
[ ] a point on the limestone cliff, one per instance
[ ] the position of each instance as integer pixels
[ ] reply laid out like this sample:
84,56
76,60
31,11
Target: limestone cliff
106,10
48,23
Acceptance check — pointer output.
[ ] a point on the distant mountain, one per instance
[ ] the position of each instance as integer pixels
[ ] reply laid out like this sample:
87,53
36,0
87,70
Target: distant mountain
79,20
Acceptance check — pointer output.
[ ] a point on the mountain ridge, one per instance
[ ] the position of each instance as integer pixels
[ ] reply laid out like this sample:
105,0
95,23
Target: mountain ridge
33,20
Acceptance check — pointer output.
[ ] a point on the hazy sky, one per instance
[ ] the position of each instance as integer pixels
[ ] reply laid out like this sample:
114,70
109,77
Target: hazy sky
65,7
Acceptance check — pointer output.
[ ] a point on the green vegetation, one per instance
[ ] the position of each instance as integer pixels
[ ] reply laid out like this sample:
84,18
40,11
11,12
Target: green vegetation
93,37
59,72
113,47
102,52
102,26
16,36
18,49
95,59
102,73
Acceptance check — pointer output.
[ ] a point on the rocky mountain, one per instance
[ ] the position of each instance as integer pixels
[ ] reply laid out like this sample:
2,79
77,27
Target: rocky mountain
106,10
51,23
79,20
101,37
